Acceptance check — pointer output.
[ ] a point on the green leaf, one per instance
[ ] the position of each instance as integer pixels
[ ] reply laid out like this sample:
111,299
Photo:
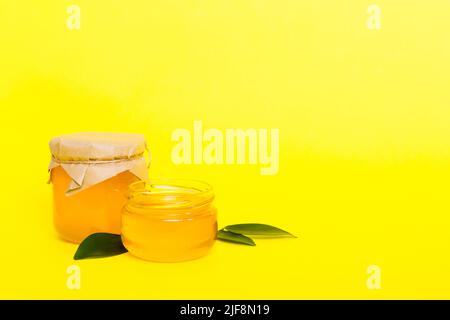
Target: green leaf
258,229
99,245
234,237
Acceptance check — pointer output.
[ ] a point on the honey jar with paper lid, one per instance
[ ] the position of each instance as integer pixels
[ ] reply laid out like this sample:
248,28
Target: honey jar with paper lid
90,173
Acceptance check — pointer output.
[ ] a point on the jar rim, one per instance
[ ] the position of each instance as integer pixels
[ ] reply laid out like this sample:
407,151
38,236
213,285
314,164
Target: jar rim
170,193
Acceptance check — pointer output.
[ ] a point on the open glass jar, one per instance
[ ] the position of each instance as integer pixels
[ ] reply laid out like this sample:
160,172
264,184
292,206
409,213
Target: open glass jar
169,220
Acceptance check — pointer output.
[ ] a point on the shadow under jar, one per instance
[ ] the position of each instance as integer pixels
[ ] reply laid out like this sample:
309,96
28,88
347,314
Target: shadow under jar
169,220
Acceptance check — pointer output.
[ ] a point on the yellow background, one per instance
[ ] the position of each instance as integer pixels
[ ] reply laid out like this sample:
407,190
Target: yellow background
364,119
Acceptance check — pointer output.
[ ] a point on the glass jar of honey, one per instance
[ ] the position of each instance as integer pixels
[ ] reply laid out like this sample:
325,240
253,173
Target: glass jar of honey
169,220
90,173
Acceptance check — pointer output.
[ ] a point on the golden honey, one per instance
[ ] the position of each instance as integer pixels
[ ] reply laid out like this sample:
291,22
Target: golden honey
96,209
169,220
